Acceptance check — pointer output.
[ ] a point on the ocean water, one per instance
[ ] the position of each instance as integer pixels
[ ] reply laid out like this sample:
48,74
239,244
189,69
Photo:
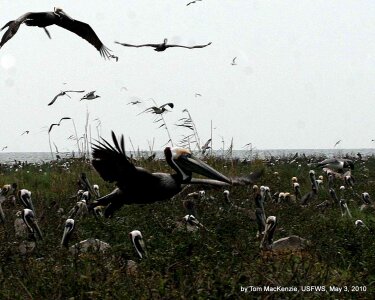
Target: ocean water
40,157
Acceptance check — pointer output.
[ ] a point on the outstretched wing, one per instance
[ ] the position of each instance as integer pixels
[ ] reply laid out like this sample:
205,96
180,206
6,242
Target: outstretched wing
137,46
114,166
191,47
55,98
170,104
84,31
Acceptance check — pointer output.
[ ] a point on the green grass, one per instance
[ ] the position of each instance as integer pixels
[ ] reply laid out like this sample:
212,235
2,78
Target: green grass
211,264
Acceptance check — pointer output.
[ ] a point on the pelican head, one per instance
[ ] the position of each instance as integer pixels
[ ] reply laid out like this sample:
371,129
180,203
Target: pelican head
268,232
138,243
29,219
294,179
58,11
96,190
184,163
226,195
68,229
165,41
25,197
366,198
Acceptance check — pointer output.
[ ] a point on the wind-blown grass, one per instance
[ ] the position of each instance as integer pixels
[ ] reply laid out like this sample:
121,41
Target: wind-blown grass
208,264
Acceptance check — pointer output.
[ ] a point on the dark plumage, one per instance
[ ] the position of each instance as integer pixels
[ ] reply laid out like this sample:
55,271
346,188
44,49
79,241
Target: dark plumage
138,185
57,17
163,46
63,93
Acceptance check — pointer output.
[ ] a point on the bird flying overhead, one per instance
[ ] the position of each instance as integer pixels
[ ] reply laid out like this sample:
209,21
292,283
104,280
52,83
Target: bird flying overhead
57,17
90,96
5,147
233,63
192,2
158,110
163,46
58,124
27,132
63,93
134,102
338,142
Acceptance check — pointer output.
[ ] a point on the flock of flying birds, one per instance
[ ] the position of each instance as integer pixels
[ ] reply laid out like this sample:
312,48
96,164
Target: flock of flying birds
61,18
136,185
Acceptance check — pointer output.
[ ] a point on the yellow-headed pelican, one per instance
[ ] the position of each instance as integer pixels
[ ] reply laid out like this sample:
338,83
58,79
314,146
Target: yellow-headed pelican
57,17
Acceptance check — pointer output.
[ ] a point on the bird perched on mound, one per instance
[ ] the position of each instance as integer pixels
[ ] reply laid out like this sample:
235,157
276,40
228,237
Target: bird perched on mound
289,243
57,17
138,185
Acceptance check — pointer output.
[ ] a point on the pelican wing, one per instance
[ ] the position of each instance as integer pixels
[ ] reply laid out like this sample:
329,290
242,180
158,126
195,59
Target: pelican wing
190,47
137,46
114,166
84,31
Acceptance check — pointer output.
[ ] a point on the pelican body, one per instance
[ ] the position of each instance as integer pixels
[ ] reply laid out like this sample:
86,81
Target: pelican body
57,17
138,185
289,243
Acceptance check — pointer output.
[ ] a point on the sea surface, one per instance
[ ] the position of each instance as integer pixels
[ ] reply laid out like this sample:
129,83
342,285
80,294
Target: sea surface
40,157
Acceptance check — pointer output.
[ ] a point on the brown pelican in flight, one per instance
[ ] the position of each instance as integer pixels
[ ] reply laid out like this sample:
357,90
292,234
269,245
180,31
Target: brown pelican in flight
163,46
134,102
233,63
57,17
90,96
25,132
138,185
63,93
158,110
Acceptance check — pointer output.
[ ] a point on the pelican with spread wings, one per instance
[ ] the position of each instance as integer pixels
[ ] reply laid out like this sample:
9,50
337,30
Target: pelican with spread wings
163,46
57,17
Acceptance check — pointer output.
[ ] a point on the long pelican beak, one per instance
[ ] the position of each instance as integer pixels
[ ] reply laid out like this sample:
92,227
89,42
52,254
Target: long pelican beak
28,218
193,164
68,229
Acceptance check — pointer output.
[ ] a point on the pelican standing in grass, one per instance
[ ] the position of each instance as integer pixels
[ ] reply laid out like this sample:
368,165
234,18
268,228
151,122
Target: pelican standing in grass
289,243
57,17
138,243
138,185
84,246
25,198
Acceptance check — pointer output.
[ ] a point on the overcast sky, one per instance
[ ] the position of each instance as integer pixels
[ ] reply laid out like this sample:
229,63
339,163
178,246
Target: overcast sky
304,76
